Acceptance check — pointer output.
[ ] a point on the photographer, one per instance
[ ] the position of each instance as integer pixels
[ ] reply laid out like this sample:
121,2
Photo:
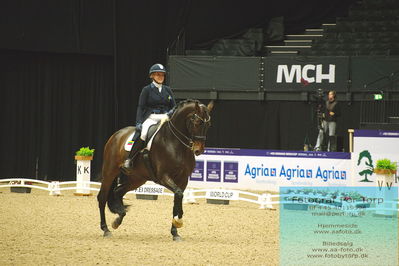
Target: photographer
328,122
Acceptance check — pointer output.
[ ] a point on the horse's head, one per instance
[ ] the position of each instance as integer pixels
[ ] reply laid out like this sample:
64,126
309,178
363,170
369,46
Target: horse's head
197,122
198,126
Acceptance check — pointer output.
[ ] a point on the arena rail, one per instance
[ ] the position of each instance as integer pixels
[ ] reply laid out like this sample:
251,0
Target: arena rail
190,195
265,200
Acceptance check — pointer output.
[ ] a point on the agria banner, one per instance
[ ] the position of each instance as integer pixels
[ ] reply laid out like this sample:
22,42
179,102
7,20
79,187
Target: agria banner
269,169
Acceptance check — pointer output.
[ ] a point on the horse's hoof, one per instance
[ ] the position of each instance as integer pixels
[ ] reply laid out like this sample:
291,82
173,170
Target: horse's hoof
177,222
177,239
107,234
115,224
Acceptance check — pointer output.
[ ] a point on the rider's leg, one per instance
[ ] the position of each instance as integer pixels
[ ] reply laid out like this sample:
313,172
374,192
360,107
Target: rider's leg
139,141
138,145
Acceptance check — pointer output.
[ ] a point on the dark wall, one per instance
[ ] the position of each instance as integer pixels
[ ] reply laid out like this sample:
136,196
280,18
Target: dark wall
73,26
71,72
274,124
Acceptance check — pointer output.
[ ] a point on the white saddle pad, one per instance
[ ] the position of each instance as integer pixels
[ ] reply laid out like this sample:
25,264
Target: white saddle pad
129,142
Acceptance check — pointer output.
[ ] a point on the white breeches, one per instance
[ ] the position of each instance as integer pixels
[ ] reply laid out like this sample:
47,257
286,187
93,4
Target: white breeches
151,120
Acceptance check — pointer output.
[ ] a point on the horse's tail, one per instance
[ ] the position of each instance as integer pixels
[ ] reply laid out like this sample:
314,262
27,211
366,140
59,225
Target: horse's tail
115,203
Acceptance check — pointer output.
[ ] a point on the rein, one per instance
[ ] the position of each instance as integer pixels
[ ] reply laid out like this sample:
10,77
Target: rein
190,141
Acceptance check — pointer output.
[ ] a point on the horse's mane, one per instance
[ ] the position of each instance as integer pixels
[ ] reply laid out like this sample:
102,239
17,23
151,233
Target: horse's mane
182,103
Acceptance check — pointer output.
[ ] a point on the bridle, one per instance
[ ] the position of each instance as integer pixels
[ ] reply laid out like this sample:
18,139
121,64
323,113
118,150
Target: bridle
189,141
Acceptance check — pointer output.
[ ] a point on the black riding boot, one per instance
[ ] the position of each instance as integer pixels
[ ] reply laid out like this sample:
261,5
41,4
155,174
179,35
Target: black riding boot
138,145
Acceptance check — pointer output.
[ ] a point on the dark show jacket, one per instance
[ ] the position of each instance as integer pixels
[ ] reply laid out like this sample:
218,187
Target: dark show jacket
332,107
152,101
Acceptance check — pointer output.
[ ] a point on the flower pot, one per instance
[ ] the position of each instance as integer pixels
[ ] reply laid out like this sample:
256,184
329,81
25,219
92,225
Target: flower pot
83,158
384,171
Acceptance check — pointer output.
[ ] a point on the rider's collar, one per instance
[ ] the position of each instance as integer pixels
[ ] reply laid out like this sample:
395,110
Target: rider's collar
159,86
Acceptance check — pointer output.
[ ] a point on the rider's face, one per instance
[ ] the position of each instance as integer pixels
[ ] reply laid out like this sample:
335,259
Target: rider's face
159,77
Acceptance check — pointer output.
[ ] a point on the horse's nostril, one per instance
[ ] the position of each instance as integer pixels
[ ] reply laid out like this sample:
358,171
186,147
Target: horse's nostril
197,152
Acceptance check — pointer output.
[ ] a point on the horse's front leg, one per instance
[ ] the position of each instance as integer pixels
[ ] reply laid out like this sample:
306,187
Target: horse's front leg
119,192
177,220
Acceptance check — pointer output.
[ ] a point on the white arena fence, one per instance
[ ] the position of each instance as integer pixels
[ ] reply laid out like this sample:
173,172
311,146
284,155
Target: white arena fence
265,200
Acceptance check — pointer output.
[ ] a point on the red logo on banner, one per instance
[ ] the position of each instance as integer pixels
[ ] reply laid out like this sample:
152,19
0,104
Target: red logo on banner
304,82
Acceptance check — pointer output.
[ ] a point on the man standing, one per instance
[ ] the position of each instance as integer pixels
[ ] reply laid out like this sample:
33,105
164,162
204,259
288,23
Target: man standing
329,122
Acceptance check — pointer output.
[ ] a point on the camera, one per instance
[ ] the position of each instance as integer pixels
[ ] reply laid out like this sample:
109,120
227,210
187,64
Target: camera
319,94
318,98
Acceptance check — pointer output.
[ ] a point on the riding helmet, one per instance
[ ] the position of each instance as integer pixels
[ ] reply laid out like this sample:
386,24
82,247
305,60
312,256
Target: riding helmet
157,68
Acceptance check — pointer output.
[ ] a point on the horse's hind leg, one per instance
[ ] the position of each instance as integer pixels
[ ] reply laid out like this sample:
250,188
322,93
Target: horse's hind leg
107,186
102,200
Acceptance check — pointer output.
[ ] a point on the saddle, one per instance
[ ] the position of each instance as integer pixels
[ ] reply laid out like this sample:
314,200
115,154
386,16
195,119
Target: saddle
153,129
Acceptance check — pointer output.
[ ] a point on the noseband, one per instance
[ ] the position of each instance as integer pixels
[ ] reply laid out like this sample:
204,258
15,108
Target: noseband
191,139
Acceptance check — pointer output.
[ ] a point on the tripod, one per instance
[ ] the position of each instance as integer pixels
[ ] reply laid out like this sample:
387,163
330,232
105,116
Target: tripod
321,144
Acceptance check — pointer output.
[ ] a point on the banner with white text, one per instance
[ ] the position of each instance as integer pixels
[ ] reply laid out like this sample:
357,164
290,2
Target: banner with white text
306,74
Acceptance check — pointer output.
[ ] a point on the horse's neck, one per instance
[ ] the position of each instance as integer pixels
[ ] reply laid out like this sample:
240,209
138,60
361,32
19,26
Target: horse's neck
179,122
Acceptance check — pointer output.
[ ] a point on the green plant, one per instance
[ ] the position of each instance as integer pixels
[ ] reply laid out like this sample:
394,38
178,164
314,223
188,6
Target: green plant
386,164
85,151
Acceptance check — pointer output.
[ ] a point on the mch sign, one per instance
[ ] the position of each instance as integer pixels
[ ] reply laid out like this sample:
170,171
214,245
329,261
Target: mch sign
310,73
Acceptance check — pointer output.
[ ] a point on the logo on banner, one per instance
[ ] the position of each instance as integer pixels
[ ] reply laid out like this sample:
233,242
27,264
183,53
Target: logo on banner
213,171
230,172
198,173
366,162
305,74
322,172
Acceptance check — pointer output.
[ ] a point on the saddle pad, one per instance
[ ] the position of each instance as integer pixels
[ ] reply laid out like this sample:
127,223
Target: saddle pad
129,142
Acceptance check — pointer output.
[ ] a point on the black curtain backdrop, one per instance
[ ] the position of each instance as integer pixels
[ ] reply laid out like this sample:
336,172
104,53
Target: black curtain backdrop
66,26
51,106
71,72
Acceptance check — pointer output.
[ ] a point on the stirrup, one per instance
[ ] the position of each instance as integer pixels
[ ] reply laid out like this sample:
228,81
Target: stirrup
127,164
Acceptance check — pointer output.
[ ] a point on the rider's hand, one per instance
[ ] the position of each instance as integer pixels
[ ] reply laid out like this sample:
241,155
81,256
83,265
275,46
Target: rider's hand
170,113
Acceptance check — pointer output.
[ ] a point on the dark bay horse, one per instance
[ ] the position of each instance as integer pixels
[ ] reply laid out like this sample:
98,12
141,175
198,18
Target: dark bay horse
169,162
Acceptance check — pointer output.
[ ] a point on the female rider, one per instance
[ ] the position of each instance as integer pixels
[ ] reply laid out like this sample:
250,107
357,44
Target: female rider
155,102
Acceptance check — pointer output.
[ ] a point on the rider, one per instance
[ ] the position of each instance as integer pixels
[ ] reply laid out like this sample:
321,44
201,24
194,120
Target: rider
155,102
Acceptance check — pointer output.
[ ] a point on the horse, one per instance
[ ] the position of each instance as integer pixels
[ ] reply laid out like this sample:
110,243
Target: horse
169,162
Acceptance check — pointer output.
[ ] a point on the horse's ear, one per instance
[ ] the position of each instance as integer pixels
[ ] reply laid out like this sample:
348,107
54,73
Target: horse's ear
197,107
210,105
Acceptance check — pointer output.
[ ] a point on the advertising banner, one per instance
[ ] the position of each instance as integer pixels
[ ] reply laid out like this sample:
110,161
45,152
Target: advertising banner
306,74
267,170
370,146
